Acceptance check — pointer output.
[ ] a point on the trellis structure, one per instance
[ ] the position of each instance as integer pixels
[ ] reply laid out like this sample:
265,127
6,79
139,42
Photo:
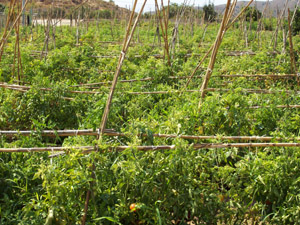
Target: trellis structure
127,42
260,141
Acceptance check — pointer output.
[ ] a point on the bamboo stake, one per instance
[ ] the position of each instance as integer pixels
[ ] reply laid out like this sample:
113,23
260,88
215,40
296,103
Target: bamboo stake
211,48
164,28
285,34
279,76
5,33
245,145
157,34
259,26
21,90
203,35
71,12
259,91
127,39
88,194
292,56
46,149
277,106
215,49
18,54
279,19
53,133
273,76
284,42
175,31
24,88
112,133
158,56
88,149
295,11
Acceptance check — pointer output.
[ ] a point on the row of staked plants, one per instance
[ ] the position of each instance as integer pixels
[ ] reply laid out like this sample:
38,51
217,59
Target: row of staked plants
222,186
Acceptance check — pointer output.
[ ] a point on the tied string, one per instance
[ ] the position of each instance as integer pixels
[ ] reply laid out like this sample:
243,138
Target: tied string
98,133
123,54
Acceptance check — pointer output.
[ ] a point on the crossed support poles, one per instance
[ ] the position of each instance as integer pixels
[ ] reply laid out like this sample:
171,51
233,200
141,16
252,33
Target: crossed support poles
127,39
225,25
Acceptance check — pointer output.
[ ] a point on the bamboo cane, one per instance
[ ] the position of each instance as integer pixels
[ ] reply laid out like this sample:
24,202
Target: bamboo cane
222,30
259,26
279,19
25,88
273,76
295,11
88,149
211,48
5,33
112,133
164,28
127,39
258,91
292,56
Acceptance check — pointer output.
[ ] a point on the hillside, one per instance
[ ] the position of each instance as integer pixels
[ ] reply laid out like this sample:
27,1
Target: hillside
68,4
274,5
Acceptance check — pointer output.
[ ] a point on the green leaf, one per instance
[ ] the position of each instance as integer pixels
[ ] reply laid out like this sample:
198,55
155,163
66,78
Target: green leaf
261,180
109,219
158,216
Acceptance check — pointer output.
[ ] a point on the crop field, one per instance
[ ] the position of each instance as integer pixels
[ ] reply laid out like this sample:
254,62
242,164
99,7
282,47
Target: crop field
174,120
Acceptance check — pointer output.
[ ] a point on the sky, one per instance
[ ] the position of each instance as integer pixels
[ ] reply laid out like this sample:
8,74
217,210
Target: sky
151,6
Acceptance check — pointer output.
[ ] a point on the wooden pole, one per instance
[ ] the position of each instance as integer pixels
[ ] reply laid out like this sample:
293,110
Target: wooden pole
112,133
279,19
127,39
215,49
6,29
273,76
212,46
292,56
164,28
88,149
24,88
259,91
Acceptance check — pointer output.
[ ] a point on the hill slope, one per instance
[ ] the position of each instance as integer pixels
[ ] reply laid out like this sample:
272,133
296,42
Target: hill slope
67,4
273,5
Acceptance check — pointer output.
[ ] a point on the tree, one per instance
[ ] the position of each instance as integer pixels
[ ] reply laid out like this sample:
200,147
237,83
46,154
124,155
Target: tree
210,13
2,8
173,9
105,14
296,23
252,12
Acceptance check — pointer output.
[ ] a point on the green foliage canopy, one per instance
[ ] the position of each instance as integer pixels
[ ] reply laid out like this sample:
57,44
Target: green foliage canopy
210,13
252,12
296,23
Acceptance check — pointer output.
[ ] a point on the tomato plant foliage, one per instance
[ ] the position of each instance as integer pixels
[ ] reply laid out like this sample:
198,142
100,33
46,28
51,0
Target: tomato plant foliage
222,186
